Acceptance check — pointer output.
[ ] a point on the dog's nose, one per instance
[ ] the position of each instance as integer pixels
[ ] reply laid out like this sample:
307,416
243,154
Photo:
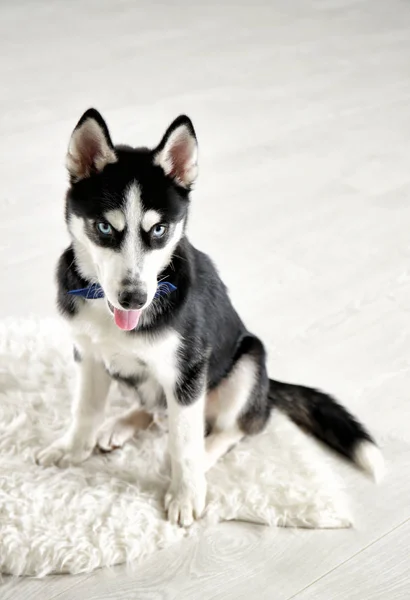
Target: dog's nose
132,299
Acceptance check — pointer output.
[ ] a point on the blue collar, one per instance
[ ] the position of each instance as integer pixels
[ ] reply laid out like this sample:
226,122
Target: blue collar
95,291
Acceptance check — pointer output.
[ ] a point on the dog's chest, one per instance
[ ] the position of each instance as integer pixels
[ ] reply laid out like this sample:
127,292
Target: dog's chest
126,354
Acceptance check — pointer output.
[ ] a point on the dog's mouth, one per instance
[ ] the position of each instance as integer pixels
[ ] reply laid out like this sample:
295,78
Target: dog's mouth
127,320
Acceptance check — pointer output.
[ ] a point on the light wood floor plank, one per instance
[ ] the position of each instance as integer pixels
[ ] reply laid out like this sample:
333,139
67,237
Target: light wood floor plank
380,571
12,588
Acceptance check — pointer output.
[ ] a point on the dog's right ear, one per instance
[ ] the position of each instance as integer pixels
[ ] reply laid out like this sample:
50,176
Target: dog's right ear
90,148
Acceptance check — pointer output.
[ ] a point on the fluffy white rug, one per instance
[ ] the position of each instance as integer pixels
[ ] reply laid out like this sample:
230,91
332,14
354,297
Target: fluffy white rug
110,509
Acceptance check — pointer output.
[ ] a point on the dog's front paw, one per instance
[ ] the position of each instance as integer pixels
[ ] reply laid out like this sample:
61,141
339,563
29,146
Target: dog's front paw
64,452
186,502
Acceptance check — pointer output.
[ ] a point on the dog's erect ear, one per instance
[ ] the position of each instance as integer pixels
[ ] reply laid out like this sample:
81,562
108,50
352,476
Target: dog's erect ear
90,148
177,154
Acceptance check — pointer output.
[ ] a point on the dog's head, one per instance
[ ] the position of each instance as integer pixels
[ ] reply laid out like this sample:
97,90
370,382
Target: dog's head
127,208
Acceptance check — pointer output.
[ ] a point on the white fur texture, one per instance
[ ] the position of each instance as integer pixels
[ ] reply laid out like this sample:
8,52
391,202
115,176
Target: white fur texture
370,459
110,509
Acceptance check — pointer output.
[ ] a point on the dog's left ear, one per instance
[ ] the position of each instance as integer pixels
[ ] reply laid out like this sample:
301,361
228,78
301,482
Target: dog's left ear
177,154
90,148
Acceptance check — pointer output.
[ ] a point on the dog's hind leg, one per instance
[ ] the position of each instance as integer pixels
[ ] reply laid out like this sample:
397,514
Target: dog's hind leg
239,405
118,430
219,443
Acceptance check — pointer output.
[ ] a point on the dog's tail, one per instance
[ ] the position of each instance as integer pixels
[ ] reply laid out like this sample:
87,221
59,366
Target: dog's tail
321,416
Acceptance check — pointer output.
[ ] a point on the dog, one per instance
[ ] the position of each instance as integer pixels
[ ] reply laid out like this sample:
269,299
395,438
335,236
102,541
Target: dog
186,351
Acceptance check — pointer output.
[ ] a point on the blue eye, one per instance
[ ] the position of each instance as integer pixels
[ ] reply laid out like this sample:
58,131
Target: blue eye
158,231
104,228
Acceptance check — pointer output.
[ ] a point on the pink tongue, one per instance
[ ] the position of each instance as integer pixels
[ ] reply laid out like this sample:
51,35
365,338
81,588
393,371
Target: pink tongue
126,319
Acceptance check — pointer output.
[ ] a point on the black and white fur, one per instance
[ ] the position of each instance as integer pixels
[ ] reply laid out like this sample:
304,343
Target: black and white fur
190,352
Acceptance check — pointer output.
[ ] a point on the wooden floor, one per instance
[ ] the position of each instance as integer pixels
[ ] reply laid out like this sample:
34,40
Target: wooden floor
302,110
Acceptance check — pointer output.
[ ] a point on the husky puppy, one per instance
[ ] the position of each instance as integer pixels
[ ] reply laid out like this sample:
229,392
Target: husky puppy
186,351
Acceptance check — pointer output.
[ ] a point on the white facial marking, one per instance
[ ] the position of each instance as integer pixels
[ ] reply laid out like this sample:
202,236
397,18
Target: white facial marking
157,260
133,249
83,247
110,266
116,218
150,218
96,262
